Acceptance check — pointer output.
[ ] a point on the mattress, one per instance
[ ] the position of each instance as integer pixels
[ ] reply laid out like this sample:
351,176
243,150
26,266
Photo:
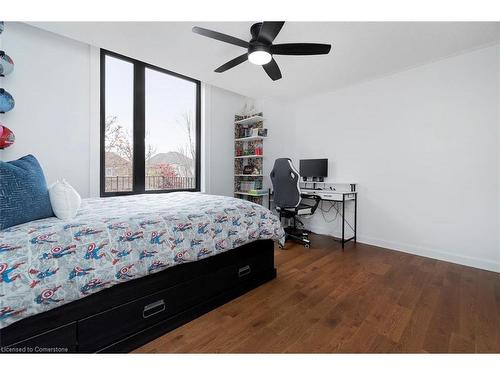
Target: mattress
48,263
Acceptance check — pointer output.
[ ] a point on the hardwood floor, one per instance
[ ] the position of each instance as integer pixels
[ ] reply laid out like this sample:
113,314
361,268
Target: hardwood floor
366,299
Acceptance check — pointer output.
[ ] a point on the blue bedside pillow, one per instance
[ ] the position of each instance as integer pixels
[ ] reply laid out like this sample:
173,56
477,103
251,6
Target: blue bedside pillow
23,192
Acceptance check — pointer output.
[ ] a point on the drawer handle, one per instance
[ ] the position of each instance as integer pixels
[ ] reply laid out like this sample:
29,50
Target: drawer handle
243,271
153,309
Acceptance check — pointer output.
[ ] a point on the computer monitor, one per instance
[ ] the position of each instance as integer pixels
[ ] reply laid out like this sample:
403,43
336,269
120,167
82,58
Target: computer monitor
315,168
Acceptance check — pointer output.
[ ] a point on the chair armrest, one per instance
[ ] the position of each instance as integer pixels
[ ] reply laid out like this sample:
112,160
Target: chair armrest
316,199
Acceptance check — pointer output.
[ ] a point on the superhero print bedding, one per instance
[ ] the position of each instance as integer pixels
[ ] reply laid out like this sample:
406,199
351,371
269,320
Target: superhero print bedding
48,263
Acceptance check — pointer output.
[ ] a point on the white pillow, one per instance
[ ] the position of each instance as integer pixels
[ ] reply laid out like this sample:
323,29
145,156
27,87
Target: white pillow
64,199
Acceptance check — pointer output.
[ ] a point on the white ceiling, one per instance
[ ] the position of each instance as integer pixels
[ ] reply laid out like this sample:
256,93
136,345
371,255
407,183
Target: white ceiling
361,50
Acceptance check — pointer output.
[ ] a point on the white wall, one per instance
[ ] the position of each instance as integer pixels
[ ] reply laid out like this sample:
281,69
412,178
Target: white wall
423,145
50,85
498,138
56,118
281,141
221,105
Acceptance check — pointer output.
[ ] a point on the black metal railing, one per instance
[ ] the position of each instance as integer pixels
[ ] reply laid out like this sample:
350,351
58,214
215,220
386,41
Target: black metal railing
124,183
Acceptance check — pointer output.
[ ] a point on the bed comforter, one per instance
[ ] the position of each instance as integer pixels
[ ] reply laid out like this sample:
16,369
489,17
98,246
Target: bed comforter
47,263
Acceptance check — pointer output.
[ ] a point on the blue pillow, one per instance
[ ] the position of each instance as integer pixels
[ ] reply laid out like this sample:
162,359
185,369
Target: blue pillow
23,192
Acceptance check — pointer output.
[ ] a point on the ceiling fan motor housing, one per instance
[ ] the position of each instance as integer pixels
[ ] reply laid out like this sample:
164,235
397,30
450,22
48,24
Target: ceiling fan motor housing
255,44
258,46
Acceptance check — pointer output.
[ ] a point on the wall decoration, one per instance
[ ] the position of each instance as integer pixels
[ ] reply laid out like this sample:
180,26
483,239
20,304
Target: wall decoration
6,101
7,137
6,64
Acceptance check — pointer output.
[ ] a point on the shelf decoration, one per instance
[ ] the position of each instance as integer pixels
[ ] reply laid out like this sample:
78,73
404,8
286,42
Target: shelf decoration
6,101
7,137
6,64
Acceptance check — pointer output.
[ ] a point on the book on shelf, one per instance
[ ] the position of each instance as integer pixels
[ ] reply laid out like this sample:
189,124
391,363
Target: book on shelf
257,191
250,185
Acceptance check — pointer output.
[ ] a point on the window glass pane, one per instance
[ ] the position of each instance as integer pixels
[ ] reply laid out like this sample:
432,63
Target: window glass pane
118,142
170,132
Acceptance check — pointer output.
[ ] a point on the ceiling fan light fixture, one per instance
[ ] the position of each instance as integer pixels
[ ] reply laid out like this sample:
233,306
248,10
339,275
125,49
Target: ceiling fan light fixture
259,57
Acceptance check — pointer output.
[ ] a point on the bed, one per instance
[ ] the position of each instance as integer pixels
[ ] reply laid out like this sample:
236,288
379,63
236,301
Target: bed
127,269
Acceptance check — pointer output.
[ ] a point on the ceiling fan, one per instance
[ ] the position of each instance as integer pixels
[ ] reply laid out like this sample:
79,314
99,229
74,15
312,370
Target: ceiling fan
260,49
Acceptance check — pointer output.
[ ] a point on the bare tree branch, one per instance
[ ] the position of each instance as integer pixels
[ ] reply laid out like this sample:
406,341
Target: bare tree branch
119,141
189,149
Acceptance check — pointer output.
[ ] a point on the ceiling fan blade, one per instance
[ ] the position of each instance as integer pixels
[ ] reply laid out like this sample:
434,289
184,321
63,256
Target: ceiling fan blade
301,49
272,69
269,30
219,36
231,64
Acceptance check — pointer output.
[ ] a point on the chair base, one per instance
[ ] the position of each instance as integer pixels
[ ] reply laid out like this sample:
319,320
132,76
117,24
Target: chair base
298,235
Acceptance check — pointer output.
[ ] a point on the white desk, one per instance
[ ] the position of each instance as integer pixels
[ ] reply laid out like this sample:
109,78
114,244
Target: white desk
324,191
336,196
330,195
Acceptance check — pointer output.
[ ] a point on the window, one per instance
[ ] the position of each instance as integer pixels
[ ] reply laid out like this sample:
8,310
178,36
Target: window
170,131
118,124
150,128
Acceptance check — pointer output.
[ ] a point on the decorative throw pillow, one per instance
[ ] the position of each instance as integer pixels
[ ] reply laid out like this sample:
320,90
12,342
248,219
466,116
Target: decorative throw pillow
23,192
64,199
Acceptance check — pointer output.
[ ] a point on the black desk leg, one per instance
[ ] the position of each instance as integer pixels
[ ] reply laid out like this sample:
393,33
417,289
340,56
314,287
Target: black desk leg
355,216
343,220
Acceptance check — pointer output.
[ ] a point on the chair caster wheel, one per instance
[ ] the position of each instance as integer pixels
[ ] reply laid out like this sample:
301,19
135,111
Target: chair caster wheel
307,246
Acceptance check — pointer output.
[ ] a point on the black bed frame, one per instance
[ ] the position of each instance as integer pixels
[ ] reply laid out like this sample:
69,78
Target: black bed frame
128,315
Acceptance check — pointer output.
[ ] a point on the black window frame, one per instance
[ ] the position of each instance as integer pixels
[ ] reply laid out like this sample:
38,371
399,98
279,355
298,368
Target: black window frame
139,126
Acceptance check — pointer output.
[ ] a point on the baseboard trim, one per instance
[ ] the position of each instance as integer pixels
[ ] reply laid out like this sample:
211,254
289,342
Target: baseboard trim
483,264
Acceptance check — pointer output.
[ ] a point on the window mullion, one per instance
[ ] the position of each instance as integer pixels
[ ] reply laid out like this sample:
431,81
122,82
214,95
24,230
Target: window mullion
139,127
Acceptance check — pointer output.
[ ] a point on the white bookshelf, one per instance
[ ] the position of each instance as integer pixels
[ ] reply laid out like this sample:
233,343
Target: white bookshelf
249,157
248,150
250,120
248,139
250,194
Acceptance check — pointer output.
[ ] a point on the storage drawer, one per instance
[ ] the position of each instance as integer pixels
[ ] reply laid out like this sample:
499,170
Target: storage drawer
58,340
230,276
246,268
222,279
104,328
